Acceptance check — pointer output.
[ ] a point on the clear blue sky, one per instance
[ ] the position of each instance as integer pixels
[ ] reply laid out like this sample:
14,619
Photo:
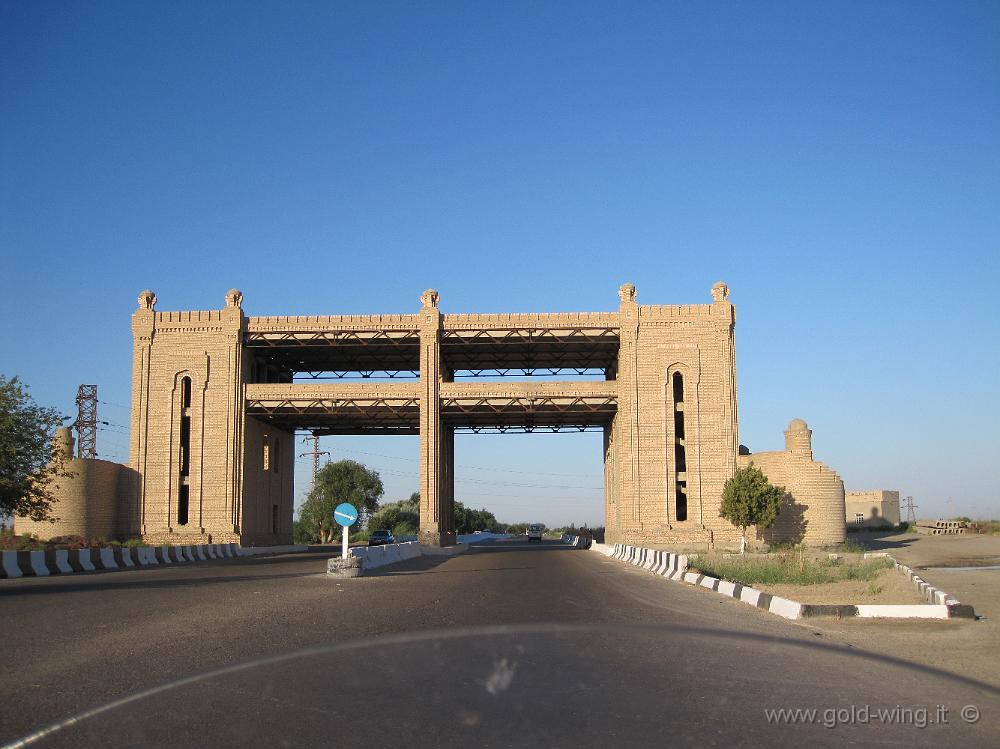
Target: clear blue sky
838,164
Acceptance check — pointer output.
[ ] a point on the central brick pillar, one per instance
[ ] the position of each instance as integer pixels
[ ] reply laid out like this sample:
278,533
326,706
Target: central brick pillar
627,418
436,504
447,503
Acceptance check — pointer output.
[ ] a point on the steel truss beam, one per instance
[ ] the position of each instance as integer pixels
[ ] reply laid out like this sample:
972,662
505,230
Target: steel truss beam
364,374
384,407
530,372
555,428
530,349
523,335
414,374
529,404
375,407
394,354
333,338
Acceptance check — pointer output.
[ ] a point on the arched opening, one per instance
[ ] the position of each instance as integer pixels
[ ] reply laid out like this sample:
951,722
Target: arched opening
184,453
680,452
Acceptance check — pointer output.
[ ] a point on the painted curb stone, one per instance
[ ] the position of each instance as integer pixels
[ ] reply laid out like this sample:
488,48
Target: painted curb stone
350,567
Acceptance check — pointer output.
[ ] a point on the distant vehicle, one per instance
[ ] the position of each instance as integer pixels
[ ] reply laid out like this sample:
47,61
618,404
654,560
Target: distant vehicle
535,532
486,530
381,537
476,532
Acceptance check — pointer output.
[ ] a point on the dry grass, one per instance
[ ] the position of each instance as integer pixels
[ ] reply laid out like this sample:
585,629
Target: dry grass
788,568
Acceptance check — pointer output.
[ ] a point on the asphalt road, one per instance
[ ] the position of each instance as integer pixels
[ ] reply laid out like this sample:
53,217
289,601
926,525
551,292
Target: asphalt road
509,644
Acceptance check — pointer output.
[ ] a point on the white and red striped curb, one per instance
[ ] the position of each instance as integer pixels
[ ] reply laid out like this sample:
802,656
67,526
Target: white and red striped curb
69,561
674,567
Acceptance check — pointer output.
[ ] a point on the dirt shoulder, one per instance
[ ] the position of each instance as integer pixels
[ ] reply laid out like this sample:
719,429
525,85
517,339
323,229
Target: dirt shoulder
919,551
962,646
891,586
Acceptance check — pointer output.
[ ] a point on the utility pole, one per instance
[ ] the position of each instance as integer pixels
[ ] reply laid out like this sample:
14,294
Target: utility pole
315,453
911,516
86,421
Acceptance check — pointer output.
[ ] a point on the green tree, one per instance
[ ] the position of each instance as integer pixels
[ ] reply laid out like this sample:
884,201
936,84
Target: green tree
402,518
748,498
468,520
28,462
343,481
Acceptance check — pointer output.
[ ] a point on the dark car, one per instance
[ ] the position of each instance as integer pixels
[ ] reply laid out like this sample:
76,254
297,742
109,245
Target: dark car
378,538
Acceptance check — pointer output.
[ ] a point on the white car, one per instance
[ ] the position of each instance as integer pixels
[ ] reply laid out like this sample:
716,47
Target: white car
535,532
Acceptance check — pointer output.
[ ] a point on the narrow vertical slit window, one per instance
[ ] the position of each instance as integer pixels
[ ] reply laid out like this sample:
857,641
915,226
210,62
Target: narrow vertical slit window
184,453
680,450
274,519
276,455
182,504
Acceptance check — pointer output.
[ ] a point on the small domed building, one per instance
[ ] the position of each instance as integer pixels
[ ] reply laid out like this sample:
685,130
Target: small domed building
813,508
87,496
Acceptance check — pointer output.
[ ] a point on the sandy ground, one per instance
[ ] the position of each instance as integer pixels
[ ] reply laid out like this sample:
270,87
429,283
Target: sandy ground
968,647
931,551
891,586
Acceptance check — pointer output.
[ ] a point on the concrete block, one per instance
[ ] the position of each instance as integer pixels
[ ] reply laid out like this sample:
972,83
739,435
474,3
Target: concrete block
10,566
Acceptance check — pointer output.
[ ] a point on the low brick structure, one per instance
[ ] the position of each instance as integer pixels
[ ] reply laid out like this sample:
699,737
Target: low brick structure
87,496
813,508
872,509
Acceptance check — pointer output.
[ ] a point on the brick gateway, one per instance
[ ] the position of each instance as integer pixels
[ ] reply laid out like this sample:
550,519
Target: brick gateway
217,397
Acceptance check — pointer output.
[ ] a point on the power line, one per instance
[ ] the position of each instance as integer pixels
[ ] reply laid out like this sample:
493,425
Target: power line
114,405
315,454
553,487
498,483
477,468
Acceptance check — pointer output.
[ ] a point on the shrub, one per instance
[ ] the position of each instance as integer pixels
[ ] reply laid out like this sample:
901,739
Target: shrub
786,568
358,537
404,529
850,546
748,498
986,527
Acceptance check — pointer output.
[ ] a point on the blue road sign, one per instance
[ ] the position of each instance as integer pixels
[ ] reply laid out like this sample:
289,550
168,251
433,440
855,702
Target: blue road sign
345,514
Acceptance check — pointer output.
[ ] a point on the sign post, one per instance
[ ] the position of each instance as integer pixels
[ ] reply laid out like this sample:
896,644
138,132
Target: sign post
346,515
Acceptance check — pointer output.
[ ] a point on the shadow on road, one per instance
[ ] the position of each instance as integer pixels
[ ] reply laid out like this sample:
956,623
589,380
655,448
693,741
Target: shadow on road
314,562
87,582
506,546
875,541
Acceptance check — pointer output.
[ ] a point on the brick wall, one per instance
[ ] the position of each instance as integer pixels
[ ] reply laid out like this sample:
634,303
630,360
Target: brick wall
879,507
813,508
86,502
